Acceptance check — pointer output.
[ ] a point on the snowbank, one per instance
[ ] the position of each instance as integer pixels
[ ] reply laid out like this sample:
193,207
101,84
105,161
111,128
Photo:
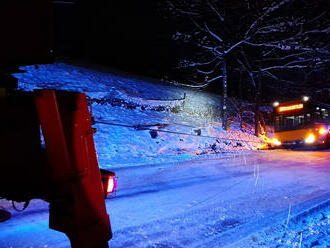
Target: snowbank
139,121
307,229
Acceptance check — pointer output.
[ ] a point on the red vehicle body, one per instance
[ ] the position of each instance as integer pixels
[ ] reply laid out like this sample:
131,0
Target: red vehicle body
66,173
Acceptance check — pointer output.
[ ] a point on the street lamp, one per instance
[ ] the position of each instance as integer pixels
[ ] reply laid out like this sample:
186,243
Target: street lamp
276,104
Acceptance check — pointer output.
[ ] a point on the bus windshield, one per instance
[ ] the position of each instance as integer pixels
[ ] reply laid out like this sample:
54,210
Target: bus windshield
292,120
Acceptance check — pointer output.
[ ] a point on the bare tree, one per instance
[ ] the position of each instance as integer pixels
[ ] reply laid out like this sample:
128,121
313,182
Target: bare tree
259,38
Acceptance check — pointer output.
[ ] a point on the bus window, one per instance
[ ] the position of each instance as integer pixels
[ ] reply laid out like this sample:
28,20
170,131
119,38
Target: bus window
317,114
299,120
288,121
283,123
325,114
277,123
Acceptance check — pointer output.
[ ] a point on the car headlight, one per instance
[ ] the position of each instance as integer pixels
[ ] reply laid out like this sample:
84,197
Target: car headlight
323,131
310,139
276,142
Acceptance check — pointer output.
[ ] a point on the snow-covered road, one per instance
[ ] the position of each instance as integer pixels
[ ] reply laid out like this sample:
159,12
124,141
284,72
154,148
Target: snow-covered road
200,203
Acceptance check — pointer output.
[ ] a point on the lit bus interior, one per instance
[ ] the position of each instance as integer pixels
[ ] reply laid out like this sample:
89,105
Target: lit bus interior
304,118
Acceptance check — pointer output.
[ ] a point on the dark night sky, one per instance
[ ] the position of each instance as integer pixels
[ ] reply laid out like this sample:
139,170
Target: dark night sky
129,35
135,36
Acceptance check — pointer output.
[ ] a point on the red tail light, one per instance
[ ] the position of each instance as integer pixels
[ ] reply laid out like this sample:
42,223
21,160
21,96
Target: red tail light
109,182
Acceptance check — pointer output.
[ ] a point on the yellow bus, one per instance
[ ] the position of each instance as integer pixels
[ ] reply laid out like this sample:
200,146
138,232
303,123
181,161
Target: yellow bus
301,123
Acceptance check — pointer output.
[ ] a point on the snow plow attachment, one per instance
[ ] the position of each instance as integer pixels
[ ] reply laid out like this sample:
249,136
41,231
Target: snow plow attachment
78,208
65,174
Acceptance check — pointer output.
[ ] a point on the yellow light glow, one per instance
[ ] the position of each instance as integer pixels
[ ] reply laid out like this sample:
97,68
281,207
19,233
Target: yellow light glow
310,139
322,131
262,147
268,142
291,107
276,142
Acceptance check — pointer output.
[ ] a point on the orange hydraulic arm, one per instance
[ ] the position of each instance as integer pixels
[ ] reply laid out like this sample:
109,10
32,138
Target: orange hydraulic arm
77,205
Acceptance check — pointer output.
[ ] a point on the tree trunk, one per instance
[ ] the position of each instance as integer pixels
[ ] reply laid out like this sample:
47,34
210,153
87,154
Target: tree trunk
257,112
224,102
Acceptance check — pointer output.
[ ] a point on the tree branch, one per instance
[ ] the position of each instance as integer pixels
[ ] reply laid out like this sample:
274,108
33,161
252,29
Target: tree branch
213,79
266,13
235,45
211,71
281,67
215,11
213,34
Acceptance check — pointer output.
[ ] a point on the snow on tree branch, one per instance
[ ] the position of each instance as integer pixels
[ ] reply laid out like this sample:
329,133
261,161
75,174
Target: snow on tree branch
212,33
257,39
215,11
266,13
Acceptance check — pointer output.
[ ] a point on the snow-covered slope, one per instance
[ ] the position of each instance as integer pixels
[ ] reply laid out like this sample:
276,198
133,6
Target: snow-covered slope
141,121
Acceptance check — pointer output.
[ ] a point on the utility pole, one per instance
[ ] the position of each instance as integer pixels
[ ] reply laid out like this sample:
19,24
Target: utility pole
225,94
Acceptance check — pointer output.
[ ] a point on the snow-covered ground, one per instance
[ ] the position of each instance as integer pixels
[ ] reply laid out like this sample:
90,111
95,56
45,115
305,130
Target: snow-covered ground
176,188
253,199
174,115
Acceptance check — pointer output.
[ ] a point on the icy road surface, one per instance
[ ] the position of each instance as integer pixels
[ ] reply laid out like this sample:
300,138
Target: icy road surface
213,203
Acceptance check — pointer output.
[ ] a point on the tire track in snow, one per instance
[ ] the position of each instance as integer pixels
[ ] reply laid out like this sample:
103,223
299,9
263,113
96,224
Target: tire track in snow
210,226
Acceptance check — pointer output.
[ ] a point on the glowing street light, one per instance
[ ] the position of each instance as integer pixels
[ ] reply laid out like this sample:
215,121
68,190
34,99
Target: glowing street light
276,104
305,98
